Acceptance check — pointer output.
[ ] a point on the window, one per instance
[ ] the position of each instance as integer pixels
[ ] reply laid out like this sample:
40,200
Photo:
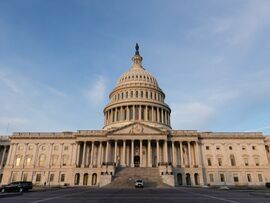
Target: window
28,161
209,162
253,147
38,177
246,161
235,178
18,161
141,94
230,147
146,95
65,160
217,147
260,178
14,176
207,147
25,177
42,160
51,177
249,177
220,161
211,177
243,147
126,95
63,177
20,148
31,147
256,160
137,94
54,160
131,94
232,160
65,148
222,178
55,148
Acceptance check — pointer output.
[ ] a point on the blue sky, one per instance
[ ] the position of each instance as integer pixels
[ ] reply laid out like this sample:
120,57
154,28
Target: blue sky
60,59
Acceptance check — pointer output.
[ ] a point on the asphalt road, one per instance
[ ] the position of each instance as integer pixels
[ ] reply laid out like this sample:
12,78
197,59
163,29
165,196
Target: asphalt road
107,195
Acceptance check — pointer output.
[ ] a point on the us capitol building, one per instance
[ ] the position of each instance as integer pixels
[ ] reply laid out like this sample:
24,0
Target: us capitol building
136,141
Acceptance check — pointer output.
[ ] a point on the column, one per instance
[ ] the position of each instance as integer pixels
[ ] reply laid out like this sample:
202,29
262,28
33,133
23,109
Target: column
61,154
35,156
3,157
162,115
158,116
181,155
140,112
197,154
133,113
132,153
146,113
115,152
124,152
165,118
92,153
189,155
121,114
9,154
149,154
152,114
107,152
50,156
78,154
115,114
166,151
100,154
71,156
173,155
157,152
141,154
127,113
83,157
13,155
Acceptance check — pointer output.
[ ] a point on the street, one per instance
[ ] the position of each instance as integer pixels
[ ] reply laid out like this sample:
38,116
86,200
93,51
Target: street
156,195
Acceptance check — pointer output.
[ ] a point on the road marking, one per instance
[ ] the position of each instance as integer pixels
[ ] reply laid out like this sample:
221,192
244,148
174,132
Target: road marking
57,197
213,197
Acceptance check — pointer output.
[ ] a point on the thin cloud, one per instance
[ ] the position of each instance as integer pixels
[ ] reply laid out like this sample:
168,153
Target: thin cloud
191,115
95,93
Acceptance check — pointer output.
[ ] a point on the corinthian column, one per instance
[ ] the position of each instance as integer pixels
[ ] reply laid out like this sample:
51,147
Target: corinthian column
157,152
132,153
149,154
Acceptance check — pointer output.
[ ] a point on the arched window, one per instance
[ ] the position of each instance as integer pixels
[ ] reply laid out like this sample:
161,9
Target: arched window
28,161
77,179
94,179
85,179
179,179
18,161
232,159
42,159
126,95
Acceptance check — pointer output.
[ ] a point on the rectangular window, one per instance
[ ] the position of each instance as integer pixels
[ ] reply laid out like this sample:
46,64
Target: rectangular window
207,147
25,177
235,178
257,162
38,177
222,178
249,177
65,148
246,161
62,177
211,177
209,162
51,177
14,177
220,161
260,178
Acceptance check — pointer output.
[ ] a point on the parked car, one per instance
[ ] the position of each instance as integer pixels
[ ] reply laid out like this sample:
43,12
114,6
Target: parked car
19,186
139,183
267,184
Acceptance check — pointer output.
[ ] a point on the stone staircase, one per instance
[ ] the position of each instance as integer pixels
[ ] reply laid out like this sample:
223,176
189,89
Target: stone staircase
125,178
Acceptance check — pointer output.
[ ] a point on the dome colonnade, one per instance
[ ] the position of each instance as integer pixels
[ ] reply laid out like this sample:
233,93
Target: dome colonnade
137,97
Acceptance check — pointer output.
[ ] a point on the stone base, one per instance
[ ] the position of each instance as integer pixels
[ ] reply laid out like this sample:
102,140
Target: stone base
105,180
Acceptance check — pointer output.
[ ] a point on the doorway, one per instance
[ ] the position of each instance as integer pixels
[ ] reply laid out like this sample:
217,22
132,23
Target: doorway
137,161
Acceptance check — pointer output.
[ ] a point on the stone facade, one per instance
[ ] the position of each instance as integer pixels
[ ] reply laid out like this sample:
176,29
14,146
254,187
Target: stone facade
136,133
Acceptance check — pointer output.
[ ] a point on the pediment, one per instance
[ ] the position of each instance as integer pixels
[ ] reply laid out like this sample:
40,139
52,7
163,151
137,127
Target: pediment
137,129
